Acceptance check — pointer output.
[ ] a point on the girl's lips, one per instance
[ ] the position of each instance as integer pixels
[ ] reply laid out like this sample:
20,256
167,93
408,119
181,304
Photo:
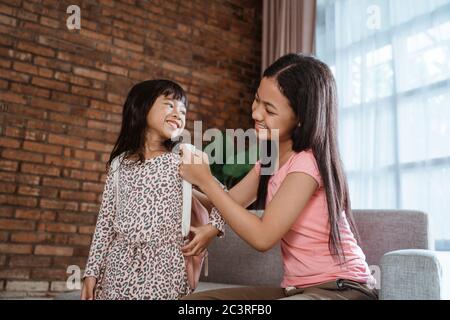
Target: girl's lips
259,127
174,124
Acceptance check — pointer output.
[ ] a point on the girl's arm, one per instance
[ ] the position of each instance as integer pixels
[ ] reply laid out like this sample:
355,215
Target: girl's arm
280,214
104,232
244,192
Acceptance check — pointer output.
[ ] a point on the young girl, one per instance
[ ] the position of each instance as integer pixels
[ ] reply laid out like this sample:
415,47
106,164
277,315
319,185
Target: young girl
136,251
306,199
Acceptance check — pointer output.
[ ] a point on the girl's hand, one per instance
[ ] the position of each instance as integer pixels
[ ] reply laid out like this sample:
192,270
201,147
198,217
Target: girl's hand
87,292
202,237
194,167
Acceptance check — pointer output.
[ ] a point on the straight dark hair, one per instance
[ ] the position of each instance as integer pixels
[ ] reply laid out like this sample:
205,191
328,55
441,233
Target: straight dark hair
310,88
140,99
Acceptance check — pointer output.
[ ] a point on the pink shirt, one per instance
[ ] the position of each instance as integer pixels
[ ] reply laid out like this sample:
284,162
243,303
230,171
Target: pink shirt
306,257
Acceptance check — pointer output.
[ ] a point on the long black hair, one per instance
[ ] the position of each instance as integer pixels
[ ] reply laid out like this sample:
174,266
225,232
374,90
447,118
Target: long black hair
140,100
310,88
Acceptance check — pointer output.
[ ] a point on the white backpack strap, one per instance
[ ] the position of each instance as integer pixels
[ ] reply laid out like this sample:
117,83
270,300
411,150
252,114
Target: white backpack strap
115,164
187,202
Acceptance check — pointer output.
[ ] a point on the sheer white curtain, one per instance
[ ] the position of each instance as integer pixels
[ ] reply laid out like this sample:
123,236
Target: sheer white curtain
391,60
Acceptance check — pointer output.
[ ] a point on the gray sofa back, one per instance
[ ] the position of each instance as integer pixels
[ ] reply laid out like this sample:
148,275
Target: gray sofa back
382,231
233,261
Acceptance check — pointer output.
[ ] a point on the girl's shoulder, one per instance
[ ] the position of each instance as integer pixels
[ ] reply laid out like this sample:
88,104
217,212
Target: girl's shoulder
305,162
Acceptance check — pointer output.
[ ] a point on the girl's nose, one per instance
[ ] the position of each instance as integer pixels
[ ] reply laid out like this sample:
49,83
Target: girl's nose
176,114
256,115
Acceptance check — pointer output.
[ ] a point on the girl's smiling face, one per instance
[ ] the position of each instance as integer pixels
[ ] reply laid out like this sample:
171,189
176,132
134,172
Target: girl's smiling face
167,117
271,110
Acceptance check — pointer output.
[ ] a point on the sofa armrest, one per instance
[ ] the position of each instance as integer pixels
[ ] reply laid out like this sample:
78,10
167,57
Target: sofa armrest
415,275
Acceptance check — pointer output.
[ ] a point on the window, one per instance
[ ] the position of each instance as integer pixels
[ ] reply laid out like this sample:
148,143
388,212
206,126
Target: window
391,60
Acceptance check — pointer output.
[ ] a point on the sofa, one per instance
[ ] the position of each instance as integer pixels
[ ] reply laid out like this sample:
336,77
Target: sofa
397,244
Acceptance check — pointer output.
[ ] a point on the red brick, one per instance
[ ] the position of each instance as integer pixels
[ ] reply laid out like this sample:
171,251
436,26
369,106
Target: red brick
98,146
64,262
61,183
52,23
4,63
53,64
50,105
60,227
89,73
9,143
49,274
18,200
3,84
63,162
7,10
15,274
78,195
28,191
29,261
7,165
24,15
91,186
94,166
70,99
35,135
7,188
72,239
30,90
116,99
27,179
19,55
66,141
36,49
67,77
14,132
112,69
25,67
12,97
29,214
15,248
84,155
40,169
21,155
58,204
30,237
27,286
92,93
89,207
46,125
50,84
86,229
13,224
42,147
77,218
6,213
14,76
53,250
76,59
8,20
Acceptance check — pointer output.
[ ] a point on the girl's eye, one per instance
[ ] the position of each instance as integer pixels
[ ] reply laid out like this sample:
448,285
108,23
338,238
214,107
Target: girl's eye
271,113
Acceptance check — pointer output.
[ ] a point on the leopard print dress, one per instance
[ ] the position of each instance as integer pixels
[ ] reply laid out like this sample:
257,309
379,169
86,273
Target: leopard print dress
136,247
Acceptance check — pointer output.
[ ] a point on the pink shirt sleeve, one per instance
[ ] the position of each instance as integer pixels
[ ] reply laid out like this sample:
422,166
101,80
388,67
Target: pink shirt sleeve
305,162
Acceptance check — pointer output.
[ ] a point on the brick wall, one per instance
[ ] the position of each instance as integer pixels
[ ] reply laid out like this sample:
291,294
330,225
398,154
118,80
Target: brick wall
61,93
